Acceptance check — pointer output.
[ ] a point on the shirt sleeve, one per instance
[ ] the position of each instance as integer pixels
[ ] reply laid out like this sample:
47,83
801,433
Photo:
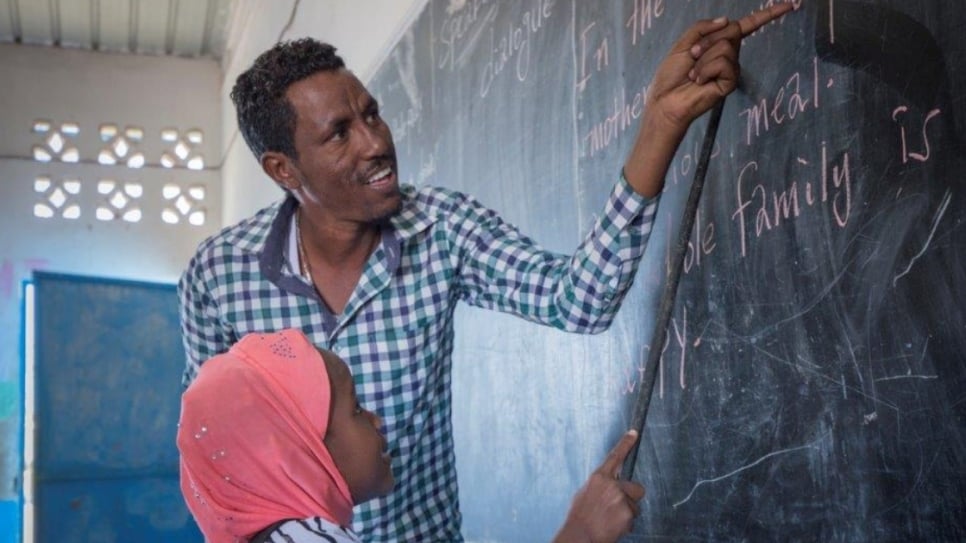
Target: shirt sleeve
200,331
502,269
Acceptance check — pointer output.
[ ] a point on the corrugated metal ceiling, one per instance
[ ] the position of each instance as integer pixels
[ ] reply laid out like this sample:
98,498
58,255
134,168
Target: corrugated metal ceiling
187,28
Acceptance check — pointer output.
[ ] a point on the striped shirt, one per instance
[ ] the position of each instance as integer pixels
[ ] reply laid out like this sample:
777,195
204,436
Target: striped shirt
311,530
396,331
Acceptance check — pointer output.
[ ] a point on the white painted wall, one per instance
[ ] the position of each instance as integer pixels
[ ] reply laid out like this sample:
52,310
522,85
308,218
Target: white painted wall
363,31
90,89
153,93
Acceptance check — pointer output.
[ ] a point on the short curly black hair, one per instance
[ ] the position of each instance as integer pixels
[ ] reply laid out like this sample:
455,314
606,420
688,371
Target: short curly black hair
265,117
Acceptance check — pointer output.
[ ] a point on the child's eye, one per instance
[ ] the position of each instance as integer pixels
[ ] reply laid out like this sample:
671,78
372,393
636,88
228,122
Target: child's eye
358,408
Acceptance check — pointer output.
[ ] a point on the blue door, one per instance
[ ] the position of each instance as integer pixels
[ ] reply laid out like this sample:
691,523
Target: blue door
107,371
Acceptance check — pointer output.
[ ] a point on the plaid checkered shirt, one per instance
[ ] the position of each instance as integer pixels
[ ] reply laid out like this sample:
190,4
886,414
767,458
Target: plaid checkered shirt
396,331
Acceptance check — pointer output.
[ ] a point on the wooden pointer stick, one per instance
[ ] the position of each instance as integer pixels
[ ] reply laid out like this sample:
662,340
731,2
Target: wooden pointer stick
670,290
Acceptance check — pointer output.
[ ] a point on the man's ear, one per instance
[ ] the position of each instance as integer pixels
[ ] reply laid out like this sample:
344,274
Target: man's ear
280,167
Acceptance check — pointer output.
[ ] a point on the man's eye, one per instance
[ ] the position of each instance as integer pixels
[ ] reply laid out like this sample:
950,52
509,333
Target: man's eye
358,408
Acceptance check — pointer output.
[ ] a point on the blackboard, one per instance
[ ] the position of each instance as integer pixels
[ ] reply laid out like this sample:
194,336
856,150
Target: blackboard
813,385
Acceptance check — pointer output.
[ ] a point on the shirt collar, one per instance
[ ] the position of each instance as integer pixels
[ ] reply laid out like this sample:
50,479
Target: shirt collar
272,261
268,234
411,218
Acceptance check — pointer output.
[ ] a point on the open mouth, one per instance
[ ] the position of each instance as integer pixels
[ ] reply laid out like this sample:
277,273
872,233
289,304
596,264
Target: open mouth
380,177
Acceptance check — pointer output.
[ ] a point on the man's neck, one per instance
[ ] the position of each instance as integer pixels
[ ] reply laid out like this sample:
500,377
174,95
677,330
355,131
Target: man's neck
337,245
333,259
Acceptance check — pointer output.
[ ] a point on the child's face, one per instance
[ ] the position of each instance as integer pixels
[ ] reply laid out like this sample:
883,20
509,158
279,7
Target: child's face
353,438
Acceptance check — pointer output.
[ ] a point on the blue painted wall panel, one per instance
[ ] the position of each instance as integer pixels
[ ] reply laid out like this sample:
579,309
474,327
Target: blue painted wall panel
108,369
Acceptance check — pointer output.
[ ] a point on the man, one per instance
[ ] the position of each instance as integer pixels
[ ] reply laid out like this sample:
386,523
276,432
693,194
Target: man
373,271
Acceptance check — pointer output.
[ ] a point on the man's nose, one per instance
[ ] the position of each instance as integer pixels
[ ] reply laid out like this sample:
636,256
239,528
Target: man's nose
375,138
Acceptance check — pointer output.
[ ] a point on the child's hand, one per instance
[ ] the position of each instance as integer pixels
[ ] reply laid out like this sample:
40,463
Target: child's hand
605,508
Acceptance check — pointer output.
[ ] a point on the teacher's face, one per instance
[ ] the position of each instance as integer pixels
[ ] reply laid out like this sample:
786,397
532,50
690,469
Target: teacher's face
345,169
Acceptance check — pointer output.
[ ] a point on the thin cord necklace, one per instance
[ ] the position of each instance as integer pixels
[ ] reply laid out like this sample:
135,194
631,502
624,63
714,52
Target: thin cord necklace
304,267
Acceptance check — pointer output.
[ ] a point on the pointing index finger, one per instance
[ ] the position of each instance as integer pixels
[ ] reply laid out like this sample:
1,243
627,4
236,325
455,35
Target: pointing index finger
612,464
754,21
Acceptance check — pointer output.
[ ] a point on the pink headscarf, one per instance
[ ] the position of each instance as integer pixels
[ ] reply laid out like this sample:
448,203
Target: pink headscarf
250,438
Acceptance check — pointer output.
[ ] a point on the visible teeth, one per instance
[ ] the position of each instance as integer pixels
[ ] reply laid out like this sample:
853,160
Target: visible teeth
379,175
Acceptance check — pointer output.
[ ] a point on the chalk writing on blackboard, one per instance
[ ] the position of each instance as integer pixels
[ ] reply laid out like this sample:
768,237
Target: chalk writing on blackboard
461,29
764,208
772,454
623,117
512,43
789,101
643,15
899,115
592,50
932,232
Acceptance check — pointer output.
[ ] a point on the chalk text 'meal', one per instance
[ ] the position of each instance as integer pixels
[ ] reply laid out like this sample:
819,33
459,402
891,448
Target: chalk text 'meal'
791,100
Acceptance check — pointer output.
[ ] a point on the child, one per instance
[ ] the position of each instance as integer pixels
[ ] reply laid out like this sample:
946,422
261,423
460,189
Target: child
276,448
